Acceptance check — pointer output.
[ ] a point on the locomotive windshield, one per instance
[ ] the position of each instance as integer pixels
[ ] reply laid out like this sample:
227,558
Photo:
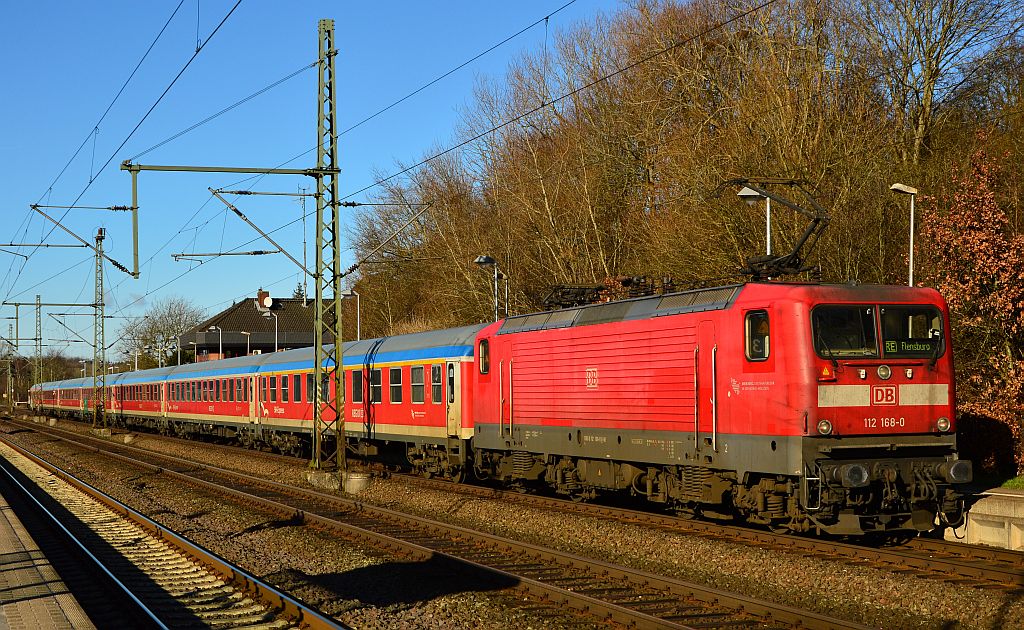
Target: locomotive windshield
908,331
911,331
844,331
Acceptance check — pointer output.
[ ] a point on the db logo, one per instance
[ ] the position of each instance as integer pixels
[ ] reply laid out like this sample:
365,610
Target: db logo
884,395
591,378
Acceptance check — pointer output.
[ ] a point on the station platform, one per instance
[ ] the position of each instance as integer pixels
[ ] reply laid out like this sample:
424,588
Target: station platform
32,595
996,519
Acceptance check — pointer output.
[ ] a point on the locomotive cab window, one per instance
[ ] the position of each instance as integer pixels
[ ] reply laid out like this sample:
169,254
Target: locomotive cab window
485,356
844,331
757,335
911,331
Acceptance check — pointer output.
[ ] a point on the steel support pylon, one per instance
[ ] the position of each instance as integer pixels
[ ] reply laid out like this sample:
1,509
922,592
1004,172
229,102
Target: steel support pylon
99,363
328,401
37,363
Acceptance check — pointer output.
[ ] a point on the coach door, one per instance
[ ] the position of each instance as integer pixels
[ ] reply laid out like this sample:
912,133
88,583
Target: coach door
453,391
706,438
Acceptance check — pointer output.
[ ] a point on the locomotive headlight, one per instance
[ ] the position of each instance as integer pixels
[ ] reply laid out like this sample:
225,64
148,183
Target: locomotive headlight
824,427
884,372
942,424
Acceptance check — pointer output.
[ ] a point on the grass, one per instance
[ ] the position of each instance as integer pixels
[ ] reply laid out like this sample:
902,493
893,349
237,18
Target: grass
1016,483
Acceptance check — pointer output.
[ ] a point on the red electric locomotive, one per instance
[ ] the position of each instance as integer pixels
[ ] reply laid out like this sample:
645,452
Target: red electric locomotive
799,406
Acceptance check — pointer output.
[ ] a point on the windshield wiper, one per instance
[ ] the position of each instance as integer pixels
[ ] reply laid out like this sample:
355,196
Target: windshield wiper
935,353
831,355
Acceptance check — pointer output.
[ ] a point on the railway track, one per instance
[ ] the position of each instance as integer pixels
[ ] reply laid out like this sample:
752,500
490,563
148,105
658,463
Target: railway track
958,563
607,591
971,565
172,582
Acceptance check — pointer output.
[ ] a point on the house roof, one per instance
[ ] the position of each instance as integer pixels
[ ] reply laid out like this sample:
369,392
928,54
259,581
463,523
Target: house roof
295,320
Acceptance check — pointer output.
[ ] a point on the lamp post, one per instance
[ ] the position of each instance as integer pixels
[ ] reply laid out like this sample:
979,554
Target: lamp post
220,341
353,293
751,196
137,352
268,315
908,190
247,335
82,361
487,261
195,353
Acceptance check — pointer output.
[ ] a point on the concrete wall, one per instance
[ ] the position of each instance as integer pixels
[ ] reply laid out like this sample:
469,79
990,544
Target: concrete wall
997,519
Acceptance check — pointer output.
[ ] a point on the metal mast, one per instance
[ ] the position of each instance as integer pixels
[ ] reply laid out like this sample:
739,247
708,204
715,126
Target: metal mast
37,366
328,401
99,363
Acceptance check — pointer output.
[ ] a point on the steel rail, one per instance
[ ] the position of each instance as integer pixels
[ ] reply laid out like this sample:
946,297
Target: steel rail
123,589
976,565
312,502
240,579
960,563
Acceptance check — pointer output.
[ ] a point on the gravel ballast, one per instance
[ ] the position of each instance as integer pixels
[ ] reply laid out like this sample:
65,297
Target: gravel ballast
368,590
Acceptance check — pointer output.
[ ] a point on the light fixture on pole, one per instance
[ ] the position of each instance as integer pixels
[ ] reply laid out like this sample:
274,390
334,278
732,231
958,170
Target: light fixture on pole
220,341
82,361
908,190
195,351
487,261
268,315
751,196
359,316
247,335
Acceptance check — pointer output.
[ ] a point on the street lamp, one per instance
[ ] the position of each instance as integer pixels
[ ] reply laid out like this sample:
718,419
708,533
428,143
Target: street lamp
351,293
487,261
247,335
908,190
82,361
195,351
268,314
220,341
751,196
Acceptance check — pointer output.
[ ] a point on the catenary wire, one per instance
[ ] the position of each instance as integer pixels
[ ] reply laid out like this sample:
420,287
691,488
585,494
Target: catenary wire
139,124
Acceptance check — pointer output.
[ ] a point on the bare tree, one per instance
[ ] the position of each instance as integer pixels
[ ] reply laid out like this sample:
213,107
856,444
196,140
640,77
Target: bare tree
154,336
927,49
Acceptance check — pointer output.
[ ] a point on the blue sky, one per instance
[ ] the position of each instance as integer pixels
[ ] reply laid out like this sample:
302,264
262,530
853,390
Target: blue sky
66,61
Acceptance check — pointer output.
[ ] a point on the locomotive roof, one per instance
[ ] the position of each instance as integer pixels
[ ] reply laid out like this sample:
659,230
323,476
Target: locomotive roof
716,298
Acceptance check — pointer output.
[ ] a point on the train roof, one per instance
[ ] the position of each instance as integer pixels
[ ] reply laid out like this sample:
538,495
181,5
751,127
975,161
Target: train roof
438,344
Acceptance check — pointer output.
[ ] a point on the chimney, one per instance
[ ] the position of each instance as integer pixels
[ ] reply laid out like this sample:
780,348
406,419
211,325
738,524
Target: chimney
263,300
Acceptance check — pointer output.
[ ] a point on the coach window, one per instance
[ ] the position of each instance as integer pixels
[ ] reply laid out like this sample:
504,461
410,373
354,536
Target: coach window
263,389
284,388
416,379
297,387
309,387
395,380
357,386
485,356
757,335
231,390
436,384
273,389
216,390
451,383
375,387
